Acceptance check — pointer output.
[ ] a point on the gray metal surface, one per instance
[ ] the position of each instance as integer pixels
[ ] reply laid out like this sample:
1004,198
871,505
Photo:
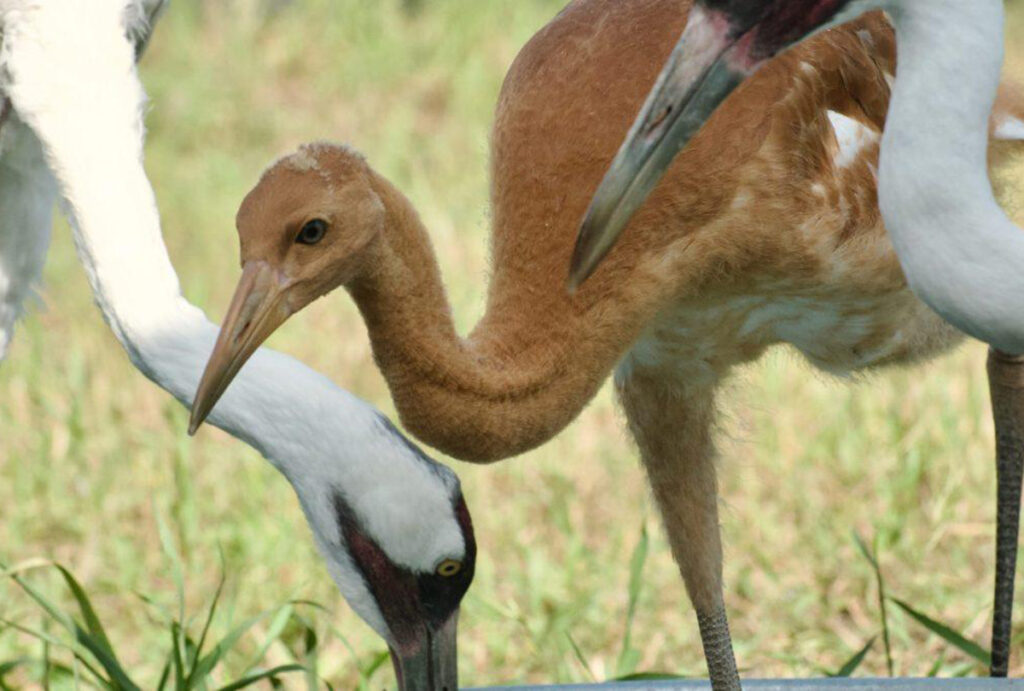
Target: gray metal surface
800,685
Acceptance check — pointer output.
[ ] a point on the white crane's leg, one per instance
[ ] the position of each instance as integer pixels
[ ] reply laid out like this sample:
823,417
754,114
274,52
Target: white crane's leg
1006,383
672,425
27,196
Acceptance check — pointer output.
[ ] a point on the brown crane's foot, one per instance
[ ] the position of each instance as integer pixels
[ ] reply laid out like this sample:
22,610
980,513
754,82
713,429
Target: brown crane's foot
714,634
1006,383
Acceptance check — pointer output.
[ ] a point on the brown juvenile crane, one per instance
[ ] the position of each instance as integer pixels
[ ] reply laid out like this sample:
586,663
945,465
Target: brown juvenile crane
765,231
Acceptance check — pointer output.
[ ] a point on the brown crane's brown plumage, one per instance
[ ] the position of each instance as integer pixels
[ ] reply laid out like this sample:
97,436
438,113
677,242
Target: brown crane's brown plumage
766,230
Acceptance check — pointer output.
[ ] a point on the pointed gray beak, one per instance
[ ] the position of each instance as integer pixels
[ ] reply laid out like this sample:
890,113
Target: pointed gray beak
432,664
705,67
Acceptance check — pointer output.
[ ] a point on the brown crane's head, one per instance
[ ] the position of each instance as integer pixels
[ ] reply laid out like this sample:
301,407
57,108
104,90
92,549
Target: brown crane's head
725,41
304,230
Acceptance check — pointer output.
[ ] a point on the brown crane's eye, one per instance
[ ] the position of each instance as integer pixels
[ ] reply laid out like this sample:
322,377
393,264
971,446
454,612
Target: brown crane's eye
449,568
312,233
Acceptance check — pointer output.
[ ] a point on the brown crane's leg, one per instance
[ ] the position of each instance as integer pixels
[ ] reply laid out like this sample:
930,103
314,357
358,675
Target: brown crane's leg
1006,383
672,426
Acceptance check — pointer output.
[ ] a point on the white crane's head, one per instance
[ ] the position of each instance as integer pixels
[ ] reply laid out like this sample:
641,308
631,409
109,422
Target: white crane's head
394,530
308,226
725,41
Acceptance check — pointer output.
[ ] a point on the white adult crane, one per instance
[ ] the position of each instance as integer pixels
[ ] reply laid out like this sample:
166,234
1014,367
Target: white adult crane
390,522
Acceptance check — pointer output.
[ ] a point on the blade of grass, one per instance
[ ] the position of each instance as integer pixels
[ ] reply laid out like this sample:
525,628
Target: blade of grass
177,658
851,665
194,663
255,678
12,665
366,671
98,639
933,671
169,550
277,625
153,604
870,556
72,648
165,676
965,645
92,621
46,659
188,655
628,658
310,651
579,658
118,677
651,676
376,664
207,663
56,614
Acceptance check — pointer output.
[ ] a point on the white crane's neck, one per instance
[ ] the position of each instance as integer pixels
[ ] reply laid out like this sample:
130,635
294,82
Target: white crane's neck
69,70
960,252
53,57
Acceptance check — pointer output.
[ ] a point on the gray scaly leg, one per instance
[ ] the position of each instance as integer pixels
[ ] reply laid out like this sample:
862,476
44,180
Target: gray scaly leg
714,634
1006,383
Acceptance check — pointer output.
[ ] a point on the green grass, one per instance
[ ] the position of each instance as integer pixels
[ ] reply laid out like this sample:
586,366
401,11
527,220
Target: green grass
91,453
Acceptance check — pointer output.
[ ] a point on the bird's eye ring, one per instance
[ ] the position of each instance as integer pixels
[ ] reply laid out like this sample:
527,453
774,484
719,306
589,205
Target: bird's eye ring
449,568
312,233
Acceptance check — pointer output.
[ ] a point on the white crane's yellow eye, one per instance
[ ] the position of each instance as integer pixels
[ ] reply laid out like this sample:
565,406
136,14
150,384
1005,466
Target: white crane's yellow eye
449,568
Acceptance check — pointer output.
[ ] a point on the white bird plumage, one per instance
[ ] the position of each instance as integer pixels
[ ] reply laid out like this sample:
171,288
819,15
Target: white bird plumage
75,131
960,252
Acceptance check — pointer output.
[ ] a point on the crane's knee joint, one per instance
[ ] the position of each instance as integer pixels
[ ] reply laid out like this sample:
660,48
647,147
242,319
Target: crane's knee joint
1006,370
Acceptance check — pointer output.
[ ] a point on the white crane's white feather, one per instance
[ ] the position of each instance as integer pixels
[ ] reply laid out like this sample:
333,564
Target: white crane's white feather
959,251
1010,129
68,67
27,195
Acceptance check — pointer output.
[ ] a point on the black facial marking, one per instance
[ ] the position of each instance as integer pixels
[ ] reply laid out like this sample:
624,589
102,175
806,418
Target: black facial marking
791,20
779,23
441,595
393,588
741,14
407,600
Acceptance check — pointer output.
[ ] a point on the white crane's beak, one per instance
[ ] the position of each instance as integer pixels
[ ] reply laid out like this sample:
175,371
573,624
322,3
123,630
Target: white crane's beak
256,310
433,664
707,64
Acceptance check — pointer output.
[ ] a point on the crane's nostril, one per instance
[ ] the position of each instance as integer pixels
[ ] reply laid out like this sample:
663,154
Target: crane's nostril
660,119
243,330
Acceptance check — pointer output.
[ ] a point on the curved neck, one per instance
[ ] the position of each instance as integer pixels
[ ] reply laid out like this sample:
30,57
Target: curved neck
56,55
527,369
960,252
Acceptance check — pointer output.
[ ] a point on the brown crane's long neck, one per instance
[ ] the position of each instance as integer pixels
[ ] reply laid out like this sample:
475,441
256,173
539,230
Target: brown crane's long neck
524,373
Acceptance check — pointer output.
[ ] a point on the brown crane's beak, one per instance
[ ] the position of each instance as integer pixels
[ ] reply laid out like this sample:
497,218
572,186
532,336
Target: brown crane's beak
433,665
256,310
707,64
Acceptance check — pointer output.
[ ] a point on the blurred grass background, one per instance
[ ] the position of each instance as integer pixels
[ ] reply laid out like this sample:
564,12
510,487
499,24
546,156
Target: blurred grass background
90,451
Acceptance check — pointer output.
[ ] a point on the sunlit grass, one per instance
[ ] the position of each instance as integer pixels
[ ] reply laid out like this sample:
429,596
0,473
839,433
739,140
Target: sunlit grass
90,452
